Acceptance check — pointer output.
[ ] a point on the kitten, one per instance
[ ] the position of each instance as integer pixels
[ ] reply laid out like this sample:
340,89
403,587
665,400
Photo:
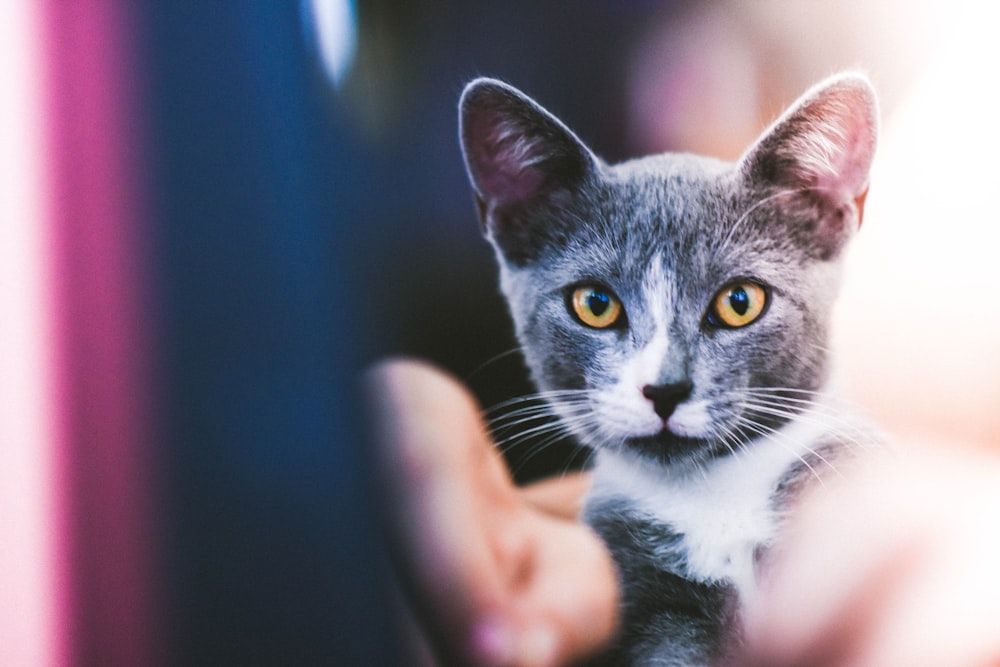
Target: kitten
673,311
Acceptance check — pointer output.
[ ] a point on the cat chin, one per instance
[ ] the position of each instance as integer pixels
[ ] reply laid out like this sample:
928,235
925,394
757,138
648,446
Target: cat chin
669,449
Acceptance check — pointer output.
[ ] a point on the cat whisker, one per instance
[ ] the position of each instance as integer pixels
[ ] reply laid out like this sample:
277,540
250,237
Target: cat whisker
539,397
535,410
492,360
849,435
775,436
834,406
783,413
786,390
527,433
580,429
731,439
822,348
727,240
852,433
537,438
537,448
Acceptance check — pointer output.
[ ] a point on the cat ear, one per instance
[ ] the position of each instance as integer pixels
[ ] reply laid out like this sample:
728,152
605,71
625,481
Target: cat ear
823,145
518,156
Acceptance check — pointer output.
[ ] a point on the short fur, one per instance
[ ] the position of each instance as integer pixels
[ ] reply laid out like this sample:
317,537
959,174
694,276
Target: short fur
689,495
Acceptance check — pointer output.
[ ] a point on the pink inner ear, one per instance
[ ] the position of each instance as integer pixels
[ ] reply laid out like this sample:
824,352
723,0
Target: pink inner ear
843,160
827,141
507,183
504,166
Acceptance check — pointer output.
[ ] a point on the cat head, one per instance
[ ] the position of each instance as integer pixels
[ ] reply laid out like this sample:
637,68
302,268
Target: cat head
675,306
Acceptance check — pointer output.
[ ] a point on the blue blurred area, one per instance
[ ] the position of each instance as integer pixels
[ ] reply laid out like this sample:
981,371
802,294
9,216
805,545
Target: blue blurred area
273,554
299,231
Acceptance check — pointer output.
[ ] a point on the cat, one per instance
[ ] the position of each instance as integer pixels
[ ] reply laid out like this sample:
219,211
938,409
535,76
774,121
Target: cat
673,312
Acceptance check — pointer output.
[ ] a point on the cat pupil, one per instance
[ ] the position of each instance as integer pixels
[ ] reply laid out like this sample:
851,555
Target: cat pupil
739,301
598,302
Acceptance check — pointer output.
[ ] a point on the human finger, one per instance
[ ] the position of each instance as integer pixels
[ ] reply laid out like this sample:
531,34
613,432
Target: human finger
505,576
443,485
895,566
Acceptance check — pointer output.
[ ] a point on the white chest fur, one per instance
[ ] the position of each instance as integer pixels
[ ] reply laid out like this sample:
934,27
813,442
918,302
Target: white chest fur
723,511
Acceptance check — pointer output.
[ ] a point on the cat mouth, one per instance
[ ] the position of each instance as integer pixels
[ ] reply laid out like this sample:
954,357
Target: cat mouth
666,446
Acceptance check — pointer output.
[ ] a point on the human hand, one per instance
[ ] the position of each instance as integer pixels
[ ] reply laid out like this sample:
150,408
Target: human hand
496,575
900,566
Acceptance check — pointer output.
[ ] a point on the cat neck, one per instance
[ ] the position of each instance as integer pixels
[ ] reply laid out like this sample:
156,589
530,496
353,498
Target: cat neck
723,511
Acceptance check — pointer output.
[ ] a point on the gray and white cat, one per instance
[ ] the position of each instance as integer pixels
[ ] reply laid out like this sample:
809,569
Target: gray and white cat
674,313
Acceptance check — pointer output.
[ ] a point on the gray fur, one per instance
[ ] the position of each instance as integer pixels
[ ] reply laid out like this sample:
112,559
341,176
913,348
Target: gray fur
665,234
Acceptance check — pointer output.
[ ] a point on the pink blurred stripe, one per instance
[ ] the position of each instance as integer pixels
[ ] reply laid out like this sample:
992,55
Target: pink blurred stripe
30,496
102,379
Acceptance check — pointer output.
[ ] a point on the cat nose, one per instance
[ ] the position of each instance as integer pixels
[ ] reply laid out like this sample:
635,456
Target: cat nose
666,397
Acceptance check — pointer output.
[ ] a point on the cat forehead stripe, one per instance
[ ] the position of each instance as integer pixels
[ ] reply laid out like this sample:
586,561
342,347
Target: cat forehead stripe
656,290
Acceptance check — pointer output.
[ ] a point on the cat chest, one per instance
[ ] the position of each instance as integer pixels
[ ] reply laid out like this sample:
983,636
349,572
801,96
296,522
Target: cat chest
717,522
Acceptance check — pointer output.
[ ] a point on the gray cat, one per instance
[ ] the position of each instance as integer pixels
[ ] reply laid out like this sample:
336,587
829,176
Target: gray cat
674,313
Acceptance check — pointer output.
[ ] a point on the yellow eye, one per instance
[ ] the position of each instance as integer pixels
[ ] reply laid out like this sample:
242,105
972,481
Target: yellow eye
596,306
737,305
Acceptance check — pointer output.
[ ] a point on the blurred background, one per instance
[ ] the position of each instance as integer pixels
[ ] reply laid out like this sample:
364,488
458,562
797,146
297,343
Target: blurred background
213,215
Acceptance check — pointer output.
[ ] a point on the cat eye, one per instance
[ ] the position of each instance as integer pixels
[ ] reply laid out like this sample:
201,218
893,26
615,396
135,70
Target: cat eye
596,306
737,305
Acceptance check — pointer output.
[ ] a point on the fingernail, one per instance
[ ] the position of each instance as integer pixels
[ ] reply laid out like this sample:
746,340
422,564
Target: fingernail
493,642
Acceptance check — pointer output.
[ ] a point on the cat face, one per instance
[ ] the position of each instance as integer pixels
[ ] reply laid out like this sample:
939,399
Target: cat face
674,306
